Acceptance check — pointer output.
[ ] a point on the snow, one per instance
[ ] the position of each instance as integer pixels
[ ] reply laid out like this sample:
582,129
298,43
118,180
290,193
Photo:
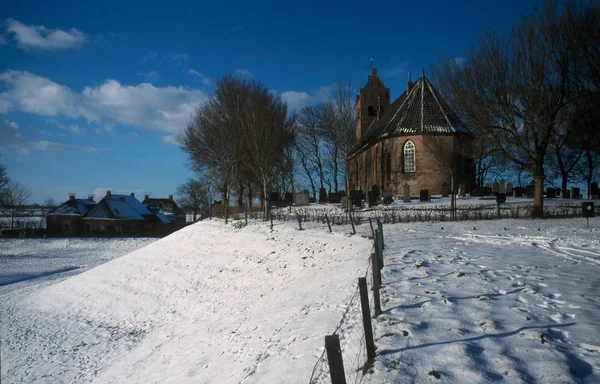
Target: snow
466,301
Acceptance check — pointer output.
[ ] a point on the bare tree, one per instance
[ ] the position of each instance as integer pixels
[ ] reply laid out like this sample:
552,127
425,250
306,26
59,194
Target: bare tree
514,88
212,140
266,129
310,143
196,195
339,129
15,195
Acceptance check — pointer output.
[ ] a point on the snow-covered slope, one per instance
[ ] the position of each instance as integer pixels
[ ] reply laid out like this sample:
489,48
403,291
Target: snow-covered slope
207,304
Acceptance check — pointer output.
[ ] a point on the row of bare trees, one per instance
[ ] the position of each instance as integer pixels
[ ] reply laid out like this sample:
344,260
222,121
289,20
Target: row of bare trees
324,134
13,196
533,95
239,138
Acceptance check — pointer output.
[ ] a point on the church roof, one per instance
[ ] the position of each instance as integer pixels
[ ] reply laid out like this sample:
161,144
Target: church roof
420,110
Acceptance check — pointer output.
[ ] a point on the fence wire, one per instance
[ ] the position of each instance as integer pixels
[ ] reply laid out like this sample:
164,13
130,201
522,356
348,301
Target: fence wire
352,338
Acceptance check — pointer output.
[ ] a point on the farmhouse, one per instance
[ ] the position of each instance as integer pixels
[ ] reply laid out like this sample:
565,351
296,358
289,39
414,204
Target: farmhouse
114,215
416,140
166,207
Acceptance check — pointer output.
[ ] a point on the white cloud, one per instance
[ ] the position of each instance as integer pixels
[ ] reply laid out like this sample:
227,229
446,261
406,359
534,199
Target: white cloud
244,73
3,40
150,75
71,127
179,58
151,56
171,139
34,94
164,109
52,146
201,78
10,136
40,37
299,100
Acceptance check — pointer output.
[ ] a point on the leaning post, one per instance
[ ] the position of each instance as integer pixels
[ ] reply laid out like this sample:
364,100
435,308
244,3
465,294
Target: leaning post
334,357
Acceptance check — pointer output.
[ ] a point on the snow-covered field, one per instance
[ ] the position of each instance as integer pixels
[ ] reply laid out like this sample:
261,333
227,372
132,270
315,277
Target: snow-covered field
467,302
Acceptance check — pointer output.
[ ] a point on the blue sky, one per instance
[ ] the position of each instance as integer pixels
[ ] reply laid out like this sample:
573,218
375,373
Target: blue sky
92,94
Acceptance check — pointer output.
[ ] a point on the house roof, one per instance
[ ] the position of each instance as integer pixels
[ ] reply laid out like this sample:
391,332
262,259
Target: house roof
162,205
420,110
73,207
120,207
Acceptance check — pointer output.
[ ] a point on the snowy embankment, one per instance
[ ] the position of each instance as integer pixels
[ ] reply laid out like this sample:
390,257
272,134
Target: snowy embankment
511,300
207,304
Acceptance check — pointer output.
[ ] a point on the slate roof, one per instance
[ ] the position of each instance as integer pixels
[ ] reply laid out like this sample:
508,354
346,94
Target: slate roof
421,110
120,207
161,205
73,207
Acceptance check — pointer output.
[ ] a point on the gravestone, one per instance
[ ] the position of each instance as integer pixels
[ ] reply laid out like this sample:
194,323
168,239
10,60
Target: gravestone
344,202
424,195
509,189
518,191
551,193
461,189
575,193
322,195
375,188
388,197
502,187
289,198
445,190
406,196
334,198
274,196
530,190
594,191
357,197
372,197
302,198
495,188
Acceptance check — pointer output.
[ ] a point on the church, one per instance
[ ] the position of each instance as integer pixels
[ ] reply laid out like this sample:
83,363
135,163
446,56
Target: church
416,140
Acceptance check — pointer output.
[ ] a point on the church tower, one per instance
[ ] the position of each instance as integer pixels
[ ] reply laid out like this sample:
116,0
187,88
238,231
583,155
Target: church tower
373,99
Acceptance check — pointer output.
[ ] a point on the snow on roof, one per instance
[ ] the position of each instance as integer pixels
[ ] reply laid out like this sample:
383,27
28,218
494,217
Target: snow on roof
124,207
163,218
74,207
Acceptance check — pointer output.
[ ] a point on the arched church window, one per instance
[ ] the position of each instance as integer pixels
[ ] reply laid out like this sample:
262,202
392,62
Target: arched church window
409,157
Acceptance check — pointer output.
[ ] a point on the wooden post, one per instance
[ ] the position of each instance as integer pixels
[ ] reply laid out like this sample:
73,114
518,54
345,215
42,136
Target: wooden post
328,224
380,227
372,230
352,222
376,283
299,221
366,315
246,216
378,250
334,357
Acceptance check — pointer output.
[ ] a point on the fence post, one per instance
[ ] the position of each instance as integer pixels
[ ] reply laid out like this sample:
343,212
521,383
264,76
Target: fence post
376,283
334,357
299,221
366,315
352,222
329,225
372,230
379,250
380,227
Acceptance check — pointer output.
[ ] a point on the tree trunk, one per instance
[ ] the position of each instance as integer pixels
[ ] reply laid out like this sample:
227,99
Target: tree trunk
538,196
249,196
240,195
